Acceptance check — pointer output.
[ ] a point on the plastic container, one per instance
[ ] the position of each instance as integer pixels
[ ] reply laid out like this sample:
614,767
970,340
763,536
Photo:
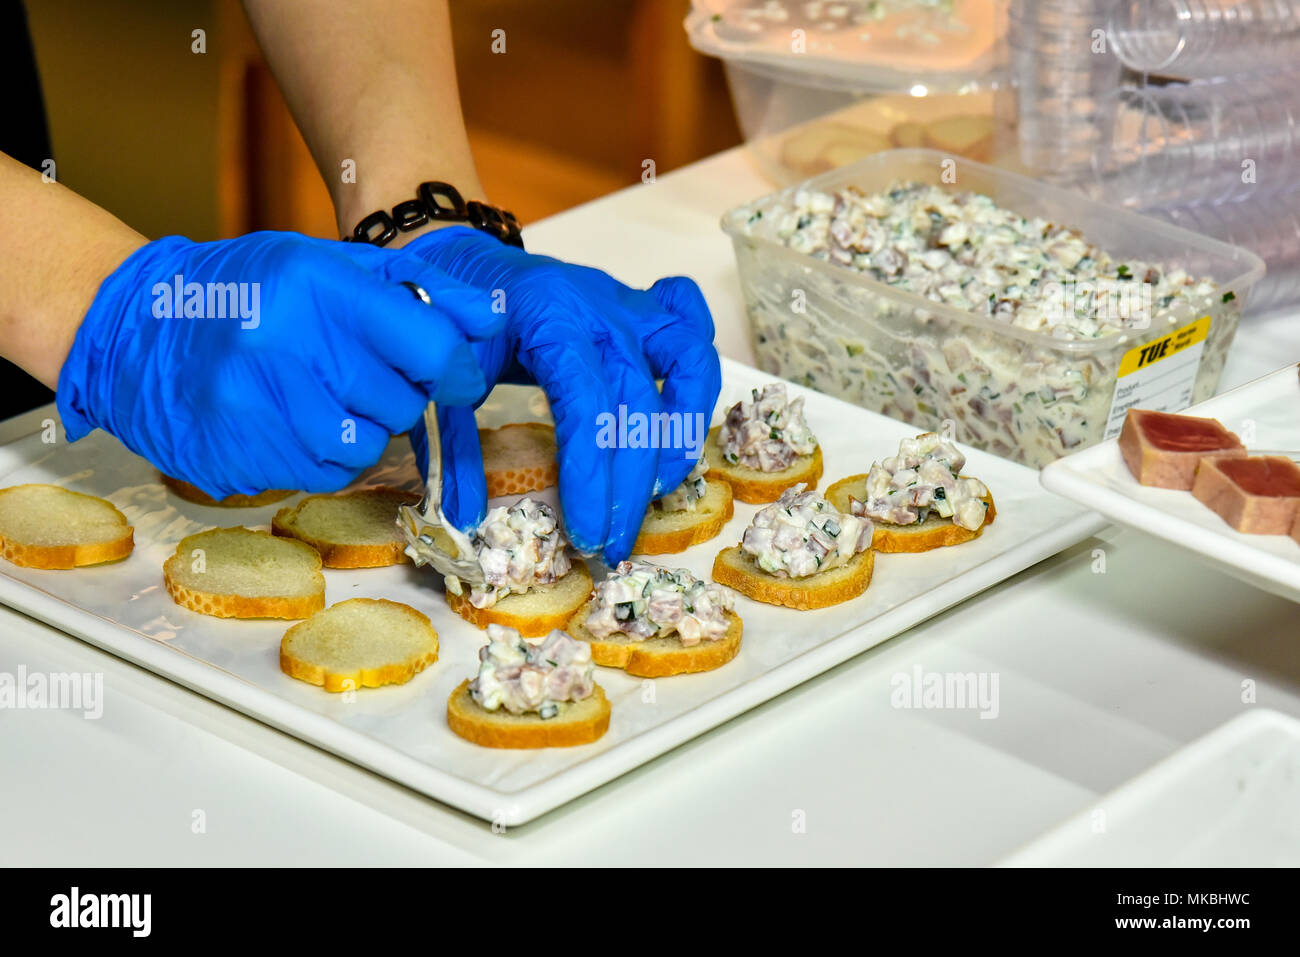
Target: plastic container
817,84
1205,38
1270,231
1205,142
1022,394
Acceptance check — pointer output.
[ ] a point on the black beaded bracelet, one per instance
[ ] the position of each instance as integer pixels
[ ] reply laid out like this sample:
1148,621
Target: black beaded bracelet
440,201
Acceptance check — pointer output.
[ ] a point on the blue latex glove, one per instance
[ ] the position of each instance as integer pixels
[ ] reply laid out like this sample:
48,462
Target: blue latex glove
592,344
304,392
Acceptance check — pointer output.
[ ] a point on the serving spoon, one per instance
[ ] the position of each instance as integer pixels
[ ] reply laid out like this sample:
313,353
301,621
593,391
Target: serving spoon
431,538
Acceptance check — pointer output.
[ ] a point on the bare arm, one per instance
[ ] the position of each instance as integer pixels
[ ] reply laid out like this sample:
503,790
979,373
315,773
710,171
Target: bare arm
55,250
373,82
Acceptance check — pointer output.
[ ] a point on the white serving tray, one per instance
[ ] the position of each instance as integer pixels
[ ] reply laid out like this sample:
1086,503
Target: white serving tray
401,732
1266,414
1227,799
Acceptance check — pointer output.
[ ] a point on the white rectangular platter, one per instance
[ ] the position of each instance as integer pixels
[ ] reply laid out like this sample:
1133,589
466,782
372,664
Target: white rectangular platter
401,731
1227,799
1265,413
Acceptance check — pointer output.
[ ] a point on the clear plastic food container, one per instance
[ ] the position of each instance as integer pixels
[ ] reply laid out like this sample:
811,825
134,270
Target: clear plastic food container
1024,394
818,84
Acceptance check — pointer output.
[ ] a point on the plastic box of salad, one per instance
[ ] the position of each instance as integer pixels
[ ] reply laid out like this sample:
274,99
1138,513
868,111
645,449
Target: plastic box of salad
1023,318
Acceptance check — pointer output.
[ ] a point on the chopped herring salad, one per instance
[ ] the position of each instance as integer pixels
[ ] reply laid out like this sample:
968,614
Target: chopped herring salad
923,477
521,676
965,251
801,534
766,433
686,496
518,547
649,601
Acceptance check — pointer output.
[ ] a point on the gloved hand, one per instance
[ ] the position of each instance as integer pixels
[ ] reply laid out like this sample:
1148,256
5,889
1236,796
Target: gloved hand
299,389
593,344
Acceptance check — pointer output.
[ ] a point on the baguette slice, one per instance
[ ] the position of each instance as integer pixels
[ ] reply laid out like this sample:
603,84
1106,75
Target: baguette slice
761,488
535,613
663,533
192,493
46,526
519,458
935,532
907,135
245,574
578,722
361,642
965,135
736,569
350,530
657,657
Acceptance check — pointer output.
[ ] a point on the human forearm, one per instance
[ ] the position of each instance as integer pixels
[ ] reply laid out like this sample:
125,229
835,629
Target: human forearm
374,83
55,250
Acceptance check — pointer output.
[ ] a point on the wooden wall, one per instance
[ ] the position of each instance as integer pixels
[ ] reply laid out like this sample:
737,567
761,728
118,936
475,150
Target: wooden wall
586,91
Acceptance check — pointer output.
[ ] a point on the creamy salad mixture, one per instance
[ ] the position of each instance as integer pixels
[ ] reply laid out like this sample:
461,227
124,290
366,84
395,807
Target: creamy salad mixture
521,676
686,496
801,534
923,477
766,433
649,601
965,251
1033,398
518,547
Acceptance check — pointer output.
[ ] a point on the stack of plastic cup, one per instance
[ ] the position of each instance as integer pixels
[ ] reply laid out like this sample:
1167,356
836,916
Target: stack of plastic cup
1205,38
1213,141
1066,75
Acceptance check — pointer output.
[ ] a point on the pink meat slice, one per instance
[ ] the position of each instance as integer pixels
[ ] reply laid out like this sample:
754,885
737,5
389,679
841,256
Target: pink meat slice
1258,495
1162,449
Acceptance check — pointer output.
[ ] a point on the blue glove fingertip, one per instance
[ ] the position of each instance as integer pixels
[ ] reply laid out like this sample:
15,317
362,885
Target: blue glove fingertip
464,486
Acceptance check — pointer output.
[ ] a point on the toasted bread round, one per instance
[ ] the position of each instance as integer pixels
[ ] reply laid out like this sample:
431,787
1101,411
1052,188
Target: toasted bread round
657,657
350,530
46,526
536,612
736,569
242,573
361,642
935,532
760,488
519,458
663,533
192,493
578,722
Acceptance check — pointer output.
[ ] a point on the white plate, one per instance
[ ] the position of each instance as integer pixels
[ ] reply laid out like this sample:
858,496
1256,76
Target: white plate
1266,415
1227,799
401,732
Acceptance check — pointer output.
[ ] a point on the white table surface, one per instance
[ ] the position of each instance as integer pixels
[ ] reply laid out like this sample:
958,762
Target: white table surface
1101,675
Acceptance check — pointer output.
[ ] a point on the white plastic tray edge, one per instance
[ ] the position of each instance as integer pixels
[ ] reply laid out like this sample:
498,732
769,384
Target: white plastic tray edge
1051,848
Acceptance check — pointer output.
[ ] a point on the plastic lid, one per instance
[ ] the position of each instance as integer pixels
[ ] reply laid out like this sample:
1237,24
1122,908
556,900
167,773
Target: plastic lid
868,45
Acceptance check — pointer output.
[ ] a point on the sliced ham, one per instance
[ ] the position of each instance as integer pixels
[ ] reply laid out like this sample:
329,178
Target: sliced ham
1162,449
1258,495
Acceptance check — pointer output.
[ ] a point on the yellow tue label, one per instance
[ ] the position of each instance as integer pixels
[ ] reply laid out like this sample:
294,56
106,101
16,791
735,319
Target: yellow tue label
1140,357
